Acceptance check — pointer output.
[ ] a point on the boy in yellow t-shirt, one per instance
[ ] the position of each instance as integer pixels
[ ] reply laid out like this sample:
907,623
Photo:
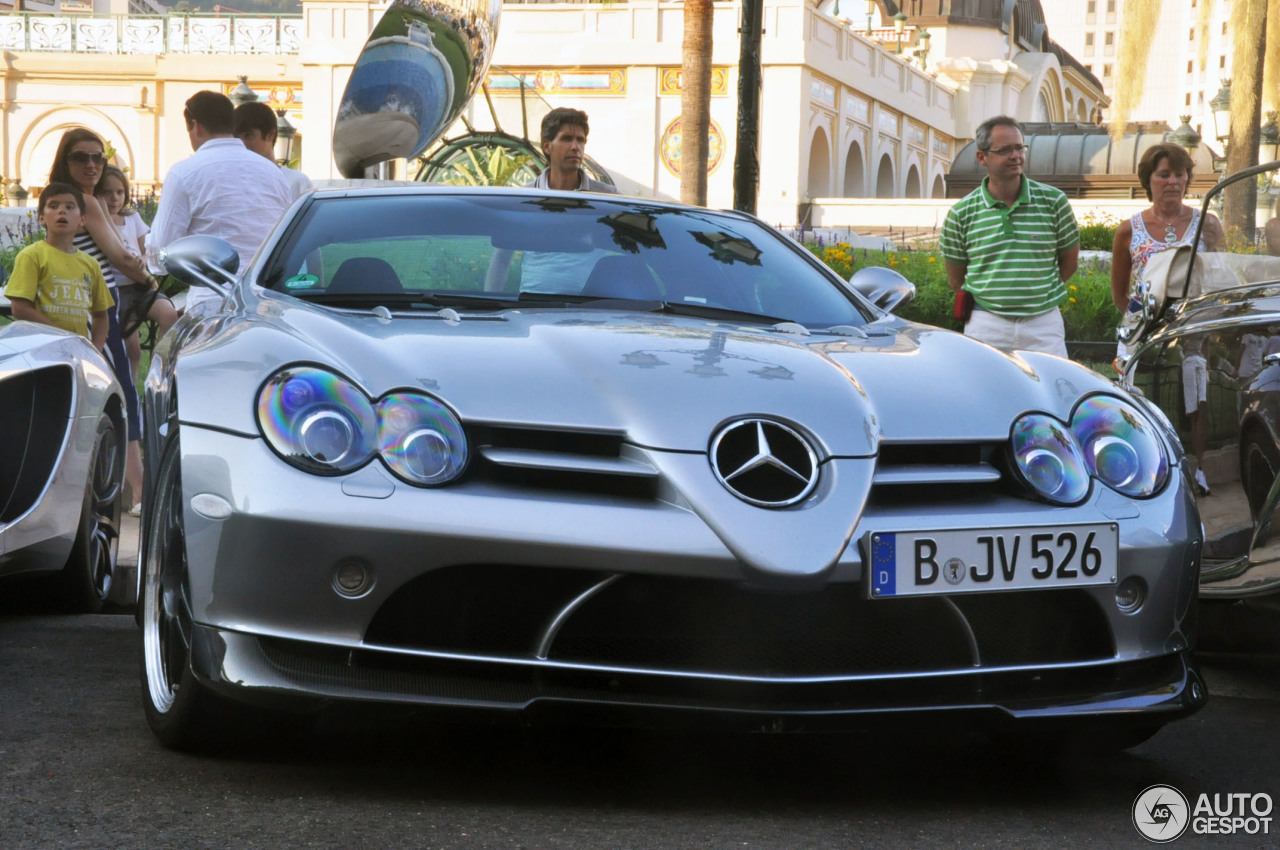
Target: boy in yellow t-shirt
53,282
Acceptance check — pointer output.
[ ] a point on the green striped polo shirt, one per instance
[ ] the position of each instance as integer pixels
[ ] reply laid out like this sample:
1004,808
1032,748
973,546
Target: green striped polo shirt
1011,252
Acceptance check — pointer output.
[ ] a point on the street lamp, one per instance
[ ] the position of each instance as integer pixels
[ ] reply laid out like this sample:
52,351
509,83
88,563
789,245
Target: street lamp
286,135
923,50
1221,106
899,24
1185,136
242,93
871,10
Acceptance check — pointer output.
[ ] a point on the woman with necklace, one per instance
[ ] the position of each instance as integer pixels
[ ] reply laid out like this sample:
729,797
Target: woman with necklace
80,160
1164,172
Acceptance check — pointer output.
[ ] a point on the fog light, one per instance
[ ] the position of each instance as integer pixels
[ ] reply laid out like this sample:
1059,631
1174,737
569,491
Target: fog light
1130,594
352,579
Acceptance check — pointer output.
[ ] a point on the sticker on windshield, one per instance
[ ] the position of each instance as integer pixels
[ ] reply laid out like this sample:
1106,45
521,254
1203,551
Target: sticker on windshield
302,281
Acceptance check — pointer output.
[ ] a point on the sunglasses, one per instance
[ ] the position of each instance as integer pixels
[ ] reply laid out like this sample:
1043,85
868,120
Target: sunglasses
84,158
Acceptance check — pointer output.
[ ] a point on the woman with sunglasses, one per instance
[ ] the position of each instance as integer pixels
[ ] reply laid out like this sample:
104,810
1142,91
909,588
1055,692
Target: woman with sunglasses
80,161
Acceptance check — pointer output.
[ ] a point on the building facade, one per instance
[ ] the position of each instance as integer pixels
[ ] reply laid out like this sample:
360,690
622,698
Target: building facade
844,113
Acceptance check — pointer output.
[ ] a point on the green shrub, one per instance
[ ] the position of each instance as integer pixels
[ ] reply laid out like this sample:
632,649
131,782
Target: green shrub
1097,232
18,236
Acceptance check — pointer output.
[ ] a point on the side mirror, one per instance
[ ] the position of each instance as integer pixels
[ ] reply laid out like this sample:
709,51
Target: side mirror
883,287
201,260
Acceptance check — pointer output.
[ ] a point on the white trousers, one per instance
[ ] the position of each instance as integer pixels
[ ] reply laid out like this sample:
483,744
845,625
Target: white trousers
1042,332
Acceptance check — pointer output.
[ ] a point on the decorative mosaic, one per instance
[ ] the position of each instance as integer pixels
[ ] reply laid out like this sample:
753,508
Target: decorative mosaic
97,35
669,147
206,35
275,95
290,35
255,36
50,33
669,81
143,36
568,81
13,35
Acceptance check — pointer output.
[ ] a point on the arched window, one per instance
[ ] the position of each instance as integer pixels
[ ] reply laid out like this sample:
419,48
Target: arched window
819,185
855,179
884,178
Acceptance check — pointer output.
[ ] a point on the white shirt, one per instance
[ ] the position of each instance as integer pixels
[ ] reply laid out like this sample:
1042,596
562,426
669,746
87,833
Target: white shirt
299,183
224,190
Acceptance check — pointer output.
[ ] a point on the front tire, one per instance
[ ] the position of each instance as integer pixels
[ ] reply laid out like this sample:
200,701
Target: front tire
85,583
179,709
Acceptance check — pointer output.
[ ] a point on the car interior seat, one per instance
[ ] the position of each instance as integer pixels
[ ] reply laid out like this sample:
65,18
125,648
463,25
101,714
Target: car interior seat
365,275
622,277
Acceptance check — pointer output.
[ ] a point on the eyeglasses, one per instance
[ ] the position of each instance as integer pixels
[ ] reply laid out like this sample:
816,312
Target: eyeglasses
1008,150
84,158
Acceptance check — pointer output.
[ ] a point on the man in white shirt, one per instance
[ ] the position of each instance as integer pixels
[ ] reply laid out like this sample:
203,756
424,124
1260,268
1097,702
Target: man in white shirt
256,127
223,190
564,141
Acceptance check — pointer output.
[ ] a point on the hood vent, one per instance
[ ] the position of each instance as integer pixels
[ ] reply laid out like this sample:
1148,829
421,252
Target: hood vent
568,461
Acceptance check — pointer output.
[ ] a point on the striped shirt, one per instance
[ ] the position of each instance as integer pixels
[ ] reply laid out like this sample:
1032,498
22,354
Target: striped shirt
1011,252
85,243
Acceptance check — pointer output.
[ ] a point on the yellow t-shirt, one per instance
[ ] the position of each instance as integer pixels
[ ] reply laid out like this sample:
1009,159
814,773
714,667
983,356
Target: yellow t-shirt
66,288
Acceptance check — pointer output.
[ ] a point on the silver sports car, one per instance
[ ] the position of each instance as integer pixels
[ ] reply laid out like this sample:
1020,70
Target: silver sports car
61,472
511,450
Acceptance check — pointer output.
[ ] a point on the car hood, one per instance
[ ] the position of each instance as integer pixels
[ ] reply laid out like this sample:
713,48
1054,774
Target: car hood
663,382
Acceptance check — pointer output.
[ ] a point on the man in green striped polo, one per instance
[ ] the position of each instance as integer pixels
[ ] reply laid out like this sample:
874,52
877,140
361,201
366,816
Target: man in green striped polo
1012,243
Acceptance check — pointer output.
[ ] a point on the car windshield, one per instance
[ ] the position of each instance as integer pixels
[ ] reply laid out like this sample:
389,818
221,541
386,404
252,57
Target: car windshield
491,251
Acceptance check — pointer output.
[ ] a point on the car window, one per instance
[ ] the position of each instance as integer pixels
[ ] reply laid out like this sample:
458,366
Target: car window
395,248
1239,240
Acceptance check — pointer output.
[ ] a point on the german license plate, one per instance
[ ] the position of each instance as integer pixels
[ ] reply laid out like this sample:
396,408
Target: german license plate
990,559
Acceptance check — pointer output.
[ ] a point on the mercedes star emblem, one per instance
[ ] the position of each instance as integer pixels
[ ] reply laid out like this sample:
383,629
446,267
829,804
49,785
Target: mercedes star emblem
764,462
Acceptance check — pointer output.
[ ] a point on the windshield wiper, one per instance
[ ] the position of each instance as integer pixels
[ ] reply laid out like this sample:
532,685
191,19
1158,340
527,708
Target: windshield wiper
674,308
415,300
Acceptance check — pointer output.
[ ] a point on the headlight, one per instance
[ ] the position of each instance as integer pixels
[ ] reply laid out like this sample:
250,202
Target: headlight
1050,459
1108,439
1121,446
420,439
317,421
322,423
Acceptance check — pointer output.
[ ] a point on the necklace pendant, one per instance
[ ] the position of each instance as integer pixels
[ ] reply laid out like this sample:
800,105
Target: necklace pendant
1170,233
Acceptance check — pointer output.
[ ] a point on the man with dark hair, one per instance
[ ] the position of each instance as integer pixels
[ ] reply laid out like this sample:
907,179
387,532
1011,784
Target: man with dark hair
1011,245
212,111
256,128
564,141
223,189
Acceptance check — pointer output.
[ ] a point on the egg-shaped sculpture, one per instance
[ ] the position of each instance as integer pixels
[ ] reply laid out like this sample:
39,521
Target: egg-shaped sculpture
422,63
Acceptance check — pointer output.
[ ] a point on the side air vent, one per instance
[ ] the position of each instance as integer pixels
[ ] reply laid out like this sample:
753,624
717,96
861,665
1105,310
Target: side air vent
37,408
567,461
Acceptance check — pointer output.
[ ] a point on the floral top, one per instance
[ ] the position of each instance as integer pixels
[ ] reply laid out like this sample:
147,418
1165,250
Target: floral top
1142,244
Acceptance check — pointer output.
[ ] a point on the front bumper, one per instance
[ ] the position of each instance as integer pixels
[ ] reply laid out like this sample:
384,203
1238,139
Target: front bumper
303,677
484,597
